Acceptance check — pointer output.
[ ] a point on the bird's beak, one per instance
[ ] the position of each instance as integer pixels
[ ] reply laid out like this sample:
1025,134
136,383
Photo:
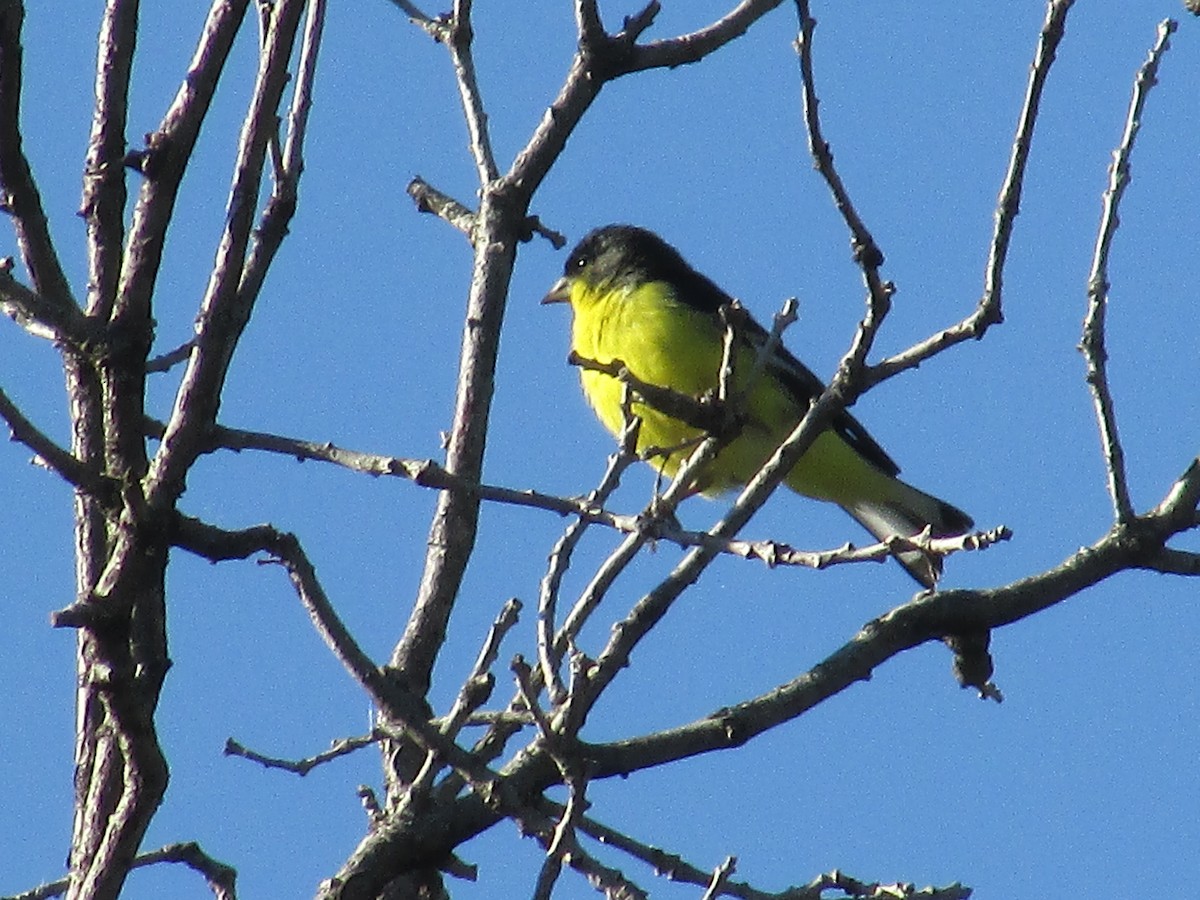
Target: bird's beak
559,293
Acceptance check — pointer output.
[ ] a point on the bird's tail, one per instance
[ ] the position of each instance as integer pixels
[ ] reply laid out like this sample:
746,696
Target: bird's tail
907,512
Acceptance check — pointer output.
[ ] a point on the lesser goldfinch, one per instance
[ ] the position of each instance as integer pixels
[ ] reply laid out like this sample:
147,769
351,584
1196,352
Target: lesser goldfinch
635,300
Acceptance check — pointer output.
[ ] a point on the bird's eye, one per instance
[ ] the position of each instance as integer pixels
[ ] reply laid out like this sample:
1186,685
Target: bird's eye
579,263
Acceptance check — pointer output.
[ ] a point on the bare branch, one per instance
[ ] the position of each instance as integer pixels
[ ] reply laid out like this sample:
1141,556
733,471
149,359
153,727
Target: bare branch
720,877
297,119
166,361
236,278
550,647
929,616
458,39
19,195
563,846
283,548
169,150
564,843
862,245
430,200
432,26
302,767
104,192
1092,344
693,47
475,690
62,462
989,312
55,321
221,878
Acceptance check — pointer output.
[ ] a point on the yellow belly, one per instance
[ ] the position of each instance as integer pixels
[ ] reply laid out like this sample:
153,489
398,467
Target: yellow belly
665,343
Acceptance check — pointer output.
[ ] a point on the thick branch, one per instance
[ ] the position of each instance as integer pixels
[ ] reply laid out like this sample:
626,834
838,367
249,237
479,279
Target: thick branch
926,618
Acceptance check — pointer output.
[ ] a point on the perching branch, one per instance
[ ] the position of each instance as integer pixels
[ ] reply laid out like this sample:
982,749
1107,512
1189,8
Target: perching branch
1138,543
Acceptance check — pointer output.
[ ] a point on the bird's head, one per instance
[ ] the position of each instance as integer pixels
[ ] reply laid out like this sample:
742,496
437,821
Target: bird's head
616,258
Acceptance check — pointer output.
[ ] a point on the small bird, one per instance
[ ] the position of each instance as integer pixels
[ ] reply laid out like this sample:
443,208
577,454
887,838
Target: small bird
635,300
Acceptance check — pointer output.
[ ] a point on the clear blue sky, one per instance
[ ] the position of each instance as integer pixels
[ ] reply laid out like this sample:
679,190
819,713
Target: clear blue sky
1083,783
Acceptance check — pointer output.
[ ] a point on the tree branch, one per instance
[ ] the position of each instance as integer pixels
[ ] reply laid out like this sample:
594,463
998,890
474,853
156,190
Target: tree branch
235,279
221,878
104,193
20,197
1092,344
302,767
989,312
63,323
430,200
62,462
459,35
218,545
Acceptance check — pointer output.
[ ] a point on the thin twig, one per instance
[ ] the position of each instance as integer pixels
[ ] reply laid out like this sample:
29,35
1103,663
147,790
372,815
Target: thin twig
221,878
549,652
1092,344
164,362
58,460
989,310
302,767
564,839
19,196
430,200
459,38
302,97
476,689
865,251
720,877
609,881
